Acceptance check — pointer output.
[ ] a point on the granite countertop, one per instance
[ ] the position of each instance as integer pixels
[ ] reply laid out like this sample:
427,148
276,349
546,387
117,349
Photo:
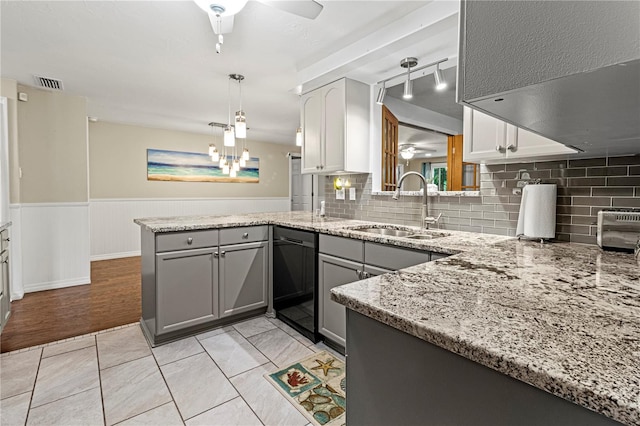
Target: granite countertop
562,317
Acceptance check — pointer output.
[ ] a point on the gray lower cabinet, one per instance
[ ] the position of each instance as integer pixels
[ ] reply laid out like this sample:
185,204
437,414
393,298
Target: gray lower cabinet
5,295
243,274
332,272
187,289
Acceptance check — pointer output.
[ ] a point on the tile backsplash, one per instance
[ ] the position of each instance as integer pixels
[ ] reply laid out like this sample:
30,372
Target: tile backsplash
585,186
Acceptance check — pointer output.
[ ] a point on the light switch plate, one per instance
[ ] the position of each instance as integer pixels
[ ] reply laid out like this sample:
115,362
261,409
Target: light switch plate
340,194
352,194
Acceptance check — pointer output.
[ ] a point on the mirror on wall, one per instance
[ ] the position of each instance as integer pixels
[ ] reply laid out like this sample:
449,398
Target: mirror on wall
424,134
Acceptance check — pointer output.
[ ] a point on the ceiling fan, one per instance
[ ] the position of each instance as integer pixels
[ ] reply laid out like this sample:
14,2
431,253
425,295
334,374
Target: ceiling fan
221,12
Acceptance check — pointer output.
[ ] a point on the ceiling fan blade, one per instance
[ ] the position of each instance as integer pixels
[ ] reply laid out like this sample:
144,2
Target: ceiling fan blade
224,26
306,8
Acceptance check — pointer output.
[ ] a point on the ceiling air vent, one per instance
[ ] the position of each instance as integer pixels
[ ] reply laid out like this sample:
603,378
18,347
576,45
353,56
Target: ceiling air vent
48,83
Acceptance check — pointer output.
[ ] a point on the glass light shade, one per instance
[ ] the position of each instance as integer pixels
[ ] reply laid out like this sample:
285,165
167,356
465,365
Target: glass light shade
222,161
407,154
408,89
225,169
212,149
241,125
243,162
215,157
347,183
229,137
233,173
236,165
299,136
245,154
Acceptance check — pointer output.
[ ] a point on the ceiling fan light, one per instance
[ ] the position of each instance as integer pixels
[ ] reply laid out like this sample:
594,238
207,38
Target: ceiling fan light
229,137
222,7
441,84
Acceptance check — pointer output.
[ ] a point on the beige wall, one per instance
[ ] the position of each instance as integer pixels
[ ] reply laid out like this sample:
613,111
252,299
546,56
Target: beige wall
9,90
118,165
52,137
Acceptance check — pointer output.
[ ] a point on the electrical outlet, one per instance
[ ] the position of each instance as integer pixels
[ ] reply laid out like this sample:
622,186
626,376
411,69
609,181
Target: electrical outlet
352,194
340,194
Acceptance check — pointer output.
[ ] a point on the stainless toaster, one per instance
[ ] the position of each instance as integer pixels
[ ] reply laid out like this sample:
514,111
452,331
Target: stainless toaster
618,228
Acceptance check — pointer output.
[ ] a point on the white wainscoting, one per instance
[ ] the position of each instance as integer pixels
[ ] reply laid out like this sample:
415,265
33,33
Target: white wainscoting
114,235
54,243
15,252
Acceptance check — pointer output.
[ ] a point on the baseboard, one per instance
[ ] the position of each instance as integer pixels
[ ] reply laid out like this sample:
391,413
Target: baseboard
110,256
57,284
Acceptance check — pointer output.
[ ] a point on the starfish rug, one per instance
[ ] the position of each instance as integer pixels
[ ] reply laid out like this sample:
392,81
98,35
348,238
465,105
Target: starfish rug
316,386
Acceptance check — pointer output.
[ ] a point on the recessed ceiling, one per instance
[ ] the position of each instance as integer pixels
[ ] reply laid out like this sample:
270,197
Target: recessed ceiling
153,63
427,143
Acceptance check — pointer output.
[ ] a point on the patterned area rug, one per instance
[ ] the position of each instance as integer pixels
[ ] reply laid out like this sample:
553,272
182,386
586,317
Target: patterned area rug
316,386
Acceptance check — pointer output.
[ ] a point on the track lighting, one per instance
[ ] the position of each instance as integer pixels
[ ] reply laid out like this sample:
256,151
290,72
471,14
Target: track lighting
408,63
441,84
382,93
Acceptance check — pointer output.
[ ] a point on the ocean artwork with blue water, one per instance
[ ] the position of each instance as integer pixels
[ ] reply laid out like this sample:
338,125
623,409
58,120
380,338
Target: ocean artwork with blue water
195,167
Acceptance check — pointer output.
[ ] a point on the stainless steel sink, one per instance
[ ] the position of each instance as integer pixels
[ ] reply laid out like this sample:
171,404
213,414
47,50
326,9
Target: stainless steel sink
424,237
386,231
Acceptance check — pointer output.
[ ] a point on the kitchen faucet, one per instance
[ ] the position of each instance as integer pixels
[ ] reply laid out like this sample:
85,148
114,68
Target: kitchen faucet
425,220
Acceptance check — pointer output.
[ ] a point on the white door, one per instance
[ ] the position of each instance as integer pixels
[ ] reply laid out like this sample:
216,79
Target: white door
484,136
312,132
301,187
334,122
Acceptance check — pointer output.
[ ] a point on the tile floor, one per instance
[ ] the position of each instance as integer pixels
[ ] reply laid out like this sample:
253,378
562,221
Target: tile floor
114,377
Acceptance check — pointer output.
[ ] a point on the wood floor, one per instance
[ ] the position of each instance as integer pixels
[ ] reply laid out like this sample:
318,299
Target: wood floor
112,299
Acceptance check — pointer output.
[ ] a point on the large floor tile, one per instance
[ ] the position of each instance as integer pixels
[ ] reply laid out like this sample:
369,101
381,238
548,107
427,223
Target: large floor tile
279,347
18,372
71,345
214,332
132,388
197,384
234,412
176,350
233,353
66,374
320,346
13,410
272,408
119,346
81,409
291,332
254,326
165,415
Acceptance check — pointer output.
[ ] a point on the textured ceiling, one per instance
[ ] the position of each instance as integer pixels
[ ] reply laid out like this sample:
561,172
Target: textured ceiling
153,63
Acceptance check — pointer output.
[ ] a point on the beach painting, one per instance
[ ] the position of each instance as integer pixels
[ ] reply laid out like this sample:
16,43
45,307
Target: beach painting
181,166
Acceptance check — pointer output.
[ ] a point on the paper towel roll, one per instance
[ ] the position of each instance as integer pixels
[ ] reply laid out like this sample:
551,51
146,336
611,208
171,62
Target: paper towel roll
537,218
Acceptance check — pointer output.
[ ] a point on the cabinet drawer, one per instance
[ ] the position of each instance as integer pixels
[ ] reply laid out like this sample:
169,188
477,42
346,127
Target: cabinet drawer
342,247
245,234
393,258
186,240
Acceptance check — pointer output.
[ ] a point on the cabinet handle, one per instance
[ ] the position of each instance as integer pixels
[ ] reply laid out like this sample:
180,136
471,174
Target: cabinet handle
7,239
501,149
359,273
366,275
317,167
216,254
6,260
189,241
245,235
512,147
222,253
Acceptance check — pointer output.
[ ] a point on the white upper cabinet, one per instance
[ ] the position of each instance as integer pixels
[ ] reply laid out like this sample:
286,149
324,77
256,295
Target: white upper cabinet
489,139
335,125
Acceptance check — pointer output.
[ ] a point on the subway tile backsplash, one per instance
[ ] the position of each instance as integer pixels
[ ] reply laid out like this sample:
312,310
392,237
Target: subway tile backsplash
585,186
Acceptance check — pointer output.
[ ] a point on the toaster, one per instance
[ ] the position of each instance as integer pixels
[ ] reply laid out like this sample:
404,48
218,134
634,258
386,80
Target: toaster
618,229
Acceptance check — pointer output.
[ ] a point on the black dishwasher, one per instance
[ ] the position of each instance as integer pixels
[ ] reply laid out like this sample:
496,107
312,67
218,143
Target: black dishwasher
295,286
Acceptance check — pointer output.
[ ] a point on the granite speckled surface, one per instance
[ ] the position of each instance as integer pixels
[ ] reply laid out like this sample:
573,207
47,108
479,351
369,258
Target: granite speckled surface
4,225
431,193
562,317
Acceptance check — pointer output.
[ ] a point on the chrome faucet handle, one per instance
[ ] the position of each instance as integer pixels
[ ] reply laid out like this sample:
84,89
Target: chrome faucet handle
432,220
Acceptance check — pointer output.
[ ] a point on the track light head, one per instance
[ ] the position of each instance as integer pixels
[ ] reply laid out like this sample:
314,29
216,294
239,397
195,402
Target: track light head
408,89
441,84
381,94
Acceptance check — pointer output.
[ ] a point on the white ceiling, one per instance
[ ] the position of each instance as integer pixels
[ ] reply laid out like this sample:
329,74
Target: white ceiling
153,63
427,143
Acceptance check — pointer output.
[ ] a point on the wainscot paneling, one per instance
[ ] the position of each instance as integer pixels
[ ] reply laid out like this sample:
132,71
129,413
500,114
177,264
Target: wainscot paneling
15,252
114,235
54,243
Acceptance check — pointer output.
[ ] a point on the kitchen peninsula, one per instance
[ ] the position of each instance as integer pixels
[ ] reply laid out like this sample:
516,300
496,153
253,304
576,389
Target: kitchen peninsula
561,317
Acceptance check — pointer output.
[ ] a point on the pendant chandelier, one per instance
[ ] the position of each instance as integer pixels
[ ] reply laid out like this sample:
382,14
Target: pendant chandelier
230,161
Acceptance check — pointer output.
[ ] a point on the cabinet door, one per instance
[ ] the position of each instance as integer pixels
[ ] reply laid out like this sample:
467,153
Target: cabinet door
312,132
332,272
334,126
484,136
186,289
5,296
528,144
243,277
